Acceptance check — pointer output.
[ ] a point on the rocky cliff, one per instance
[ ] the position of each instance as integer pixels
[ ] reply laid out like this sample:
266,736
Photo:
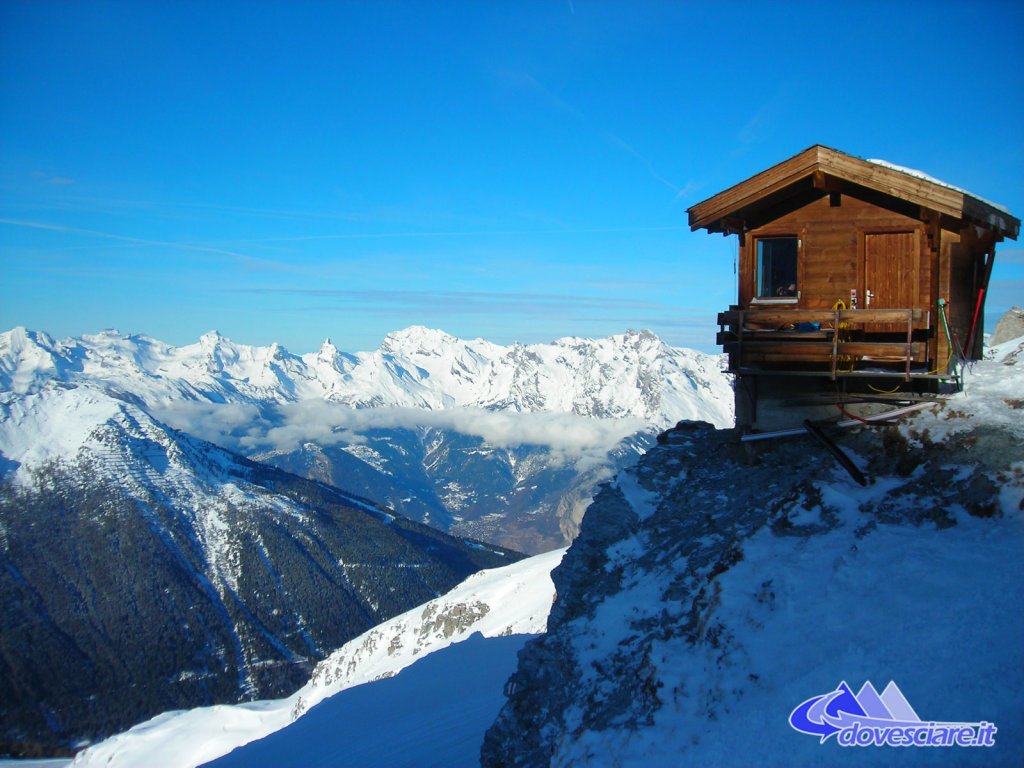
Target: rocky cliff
714,587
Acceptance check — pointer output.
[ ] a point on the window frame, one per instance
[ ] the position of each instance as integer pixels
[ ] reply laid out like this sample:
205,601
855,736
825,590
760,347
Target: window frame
756,297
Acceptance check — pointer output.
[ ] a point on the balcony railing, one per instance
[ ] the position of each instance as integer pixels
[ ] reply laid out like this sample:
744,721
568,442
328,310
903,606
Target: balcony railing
840,342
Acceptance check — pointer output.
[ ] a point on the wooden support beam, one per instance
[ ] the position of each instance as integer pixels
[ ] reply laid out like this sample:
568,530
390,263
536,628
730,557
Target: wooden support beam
934,230
853,355
895,351
826,182
835,346
838,453
910,339
769,318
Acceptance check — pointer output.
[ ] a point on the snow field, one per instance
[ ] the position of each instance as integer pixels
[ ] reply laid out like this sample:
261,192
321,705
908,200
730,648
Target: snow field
518,598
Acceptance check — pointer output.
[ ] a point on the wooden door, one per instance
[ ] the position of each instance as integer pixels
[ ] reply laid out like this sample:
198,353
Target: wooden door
891,274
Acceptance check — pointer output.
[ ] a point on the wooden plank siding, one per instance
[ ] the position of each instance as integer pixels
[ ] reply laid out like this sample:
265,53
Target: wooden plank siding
831,256
780,317
892,274
860,226
822,351
957,302
965,259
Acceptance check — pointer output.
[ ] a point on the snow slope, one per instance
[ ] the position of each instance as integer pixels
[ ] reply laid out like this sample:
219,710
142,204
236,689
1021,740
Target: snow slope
892,604
431,715
696,611
502,602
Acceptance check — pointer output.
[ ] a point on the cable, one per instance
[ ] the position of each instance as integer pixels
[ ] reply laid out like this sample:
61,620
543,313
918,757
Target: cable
849,415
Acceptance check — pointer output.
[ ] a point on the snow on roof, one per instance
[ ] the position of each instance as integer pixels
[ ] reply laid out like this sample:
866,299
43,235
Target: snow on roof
924,176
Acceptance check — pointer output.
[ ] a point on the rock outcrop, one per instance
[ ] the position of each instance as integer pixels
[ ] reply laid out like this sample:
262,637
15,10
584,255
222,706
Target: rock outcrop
1009,327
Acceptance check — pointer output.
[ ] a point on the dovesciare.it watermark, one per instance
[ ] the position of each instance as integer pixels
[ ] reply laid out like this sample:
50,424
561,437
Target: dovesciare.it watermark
872,719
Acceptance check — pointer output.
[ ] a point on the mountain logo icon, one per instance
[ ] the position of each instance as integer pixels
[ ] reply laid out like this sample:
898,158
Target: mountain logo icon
868,718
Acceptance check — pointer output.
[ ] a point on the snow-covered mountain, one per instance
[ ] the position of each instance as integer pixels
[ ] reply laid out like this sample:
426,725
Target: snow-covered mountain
143,569
697,610
629,375
711,592
500,443
107,457
510,602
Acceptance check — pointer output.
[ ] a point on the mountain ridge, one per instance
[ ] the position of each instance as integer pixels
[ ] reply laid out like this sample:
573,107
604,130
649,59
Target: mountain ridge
499,443
415,367
135,557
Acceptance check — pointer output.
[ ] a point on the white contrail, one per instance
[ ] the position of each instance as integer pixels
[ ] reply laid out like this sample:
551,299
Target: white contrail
135,240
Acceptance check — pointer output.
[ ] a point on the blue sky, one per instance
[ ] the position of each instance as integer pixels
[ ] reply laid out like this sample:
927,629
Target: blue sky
519,171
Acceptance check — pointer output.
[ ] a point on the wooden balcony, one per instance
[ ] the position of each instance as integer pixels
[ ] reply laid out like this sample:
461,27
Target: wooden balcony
833,343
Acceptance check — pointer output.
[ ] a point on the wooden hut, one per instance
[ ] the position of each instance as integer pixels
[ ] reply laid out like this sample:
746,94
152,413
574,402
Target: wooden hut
855,276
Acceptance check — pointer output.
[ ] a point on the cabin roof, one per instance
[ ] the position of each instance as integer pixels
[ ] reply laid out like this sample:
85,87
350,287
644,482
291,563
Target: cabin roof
819,170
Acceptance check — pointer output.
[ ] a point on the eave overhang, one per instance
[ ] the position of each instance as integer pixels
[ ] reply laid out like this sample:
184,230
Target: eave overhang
820,170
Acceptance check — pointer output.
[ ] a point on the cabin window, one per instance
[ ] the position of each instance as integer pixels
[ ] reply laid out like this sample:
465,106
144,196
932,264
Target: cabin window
776,267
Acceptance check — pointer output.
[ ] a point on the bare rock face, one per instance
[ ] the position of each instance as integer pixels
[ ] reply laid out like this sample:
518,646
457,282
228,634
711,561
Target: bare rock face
1010,326
448,620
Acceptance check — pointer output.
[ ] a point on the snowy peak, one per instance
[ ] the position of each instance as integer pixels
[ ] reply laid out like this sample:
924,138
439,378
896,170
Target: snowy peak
417,340
16,340
27,358
52,425
328,352
629,375
212,338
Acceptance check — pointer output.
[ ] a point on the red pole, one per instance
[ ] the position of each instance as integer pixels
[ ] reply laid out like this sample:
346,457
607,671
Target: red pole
981,300
974,323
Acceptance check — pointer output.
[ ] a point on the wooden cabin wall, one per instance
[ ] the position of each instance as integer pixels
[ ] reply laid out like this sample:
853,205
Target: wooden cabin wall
831,254
964,253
